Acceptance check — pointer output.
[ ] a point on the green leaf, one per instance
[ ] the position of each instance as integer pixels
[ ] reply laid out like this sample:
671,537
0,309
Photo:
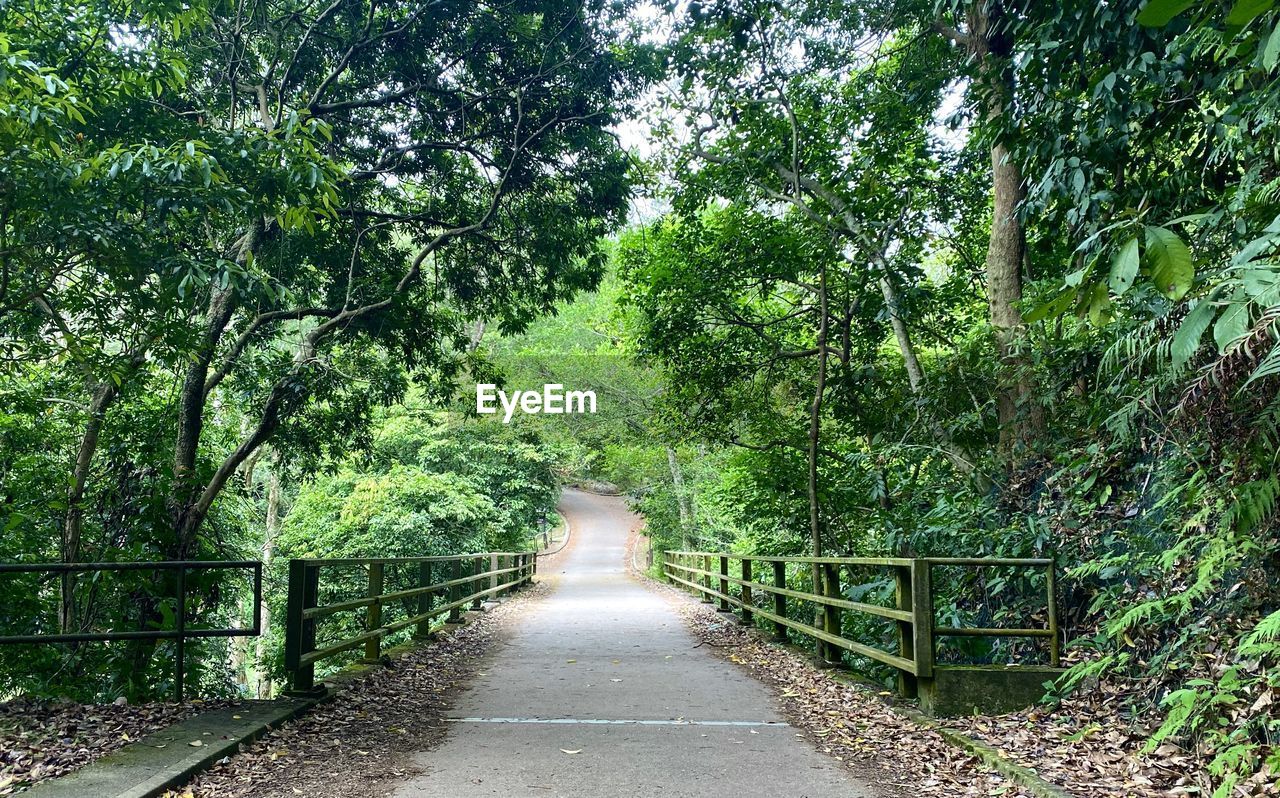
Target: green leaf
1159,13
1053,308
1095,303
1246,11
1269,367
1231,325
1169,261
1187,339
1271,51
1124,267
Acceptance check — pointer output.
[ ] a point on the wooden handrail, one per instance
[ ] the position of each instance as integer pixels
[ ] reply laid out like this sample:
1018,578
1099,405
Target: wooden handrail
470,579
913,613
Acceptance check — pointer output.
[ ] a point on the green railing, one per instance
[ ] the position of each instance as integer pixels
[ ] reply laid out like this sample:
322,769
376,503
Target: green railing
180,634
709,574
438,586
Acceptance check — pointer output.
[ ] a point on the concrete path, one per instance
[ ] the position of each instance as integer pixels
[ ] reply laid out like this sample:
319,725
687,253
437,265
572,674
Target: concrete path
601,692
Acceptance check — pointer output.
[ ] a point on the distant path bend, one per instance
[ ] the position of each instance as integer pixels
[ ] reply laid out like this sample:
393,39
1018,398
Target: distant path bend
605,669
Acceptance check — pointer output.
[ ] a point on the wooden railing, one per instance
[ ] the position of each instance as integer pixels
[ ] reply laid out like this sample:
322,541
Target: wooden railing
439,586
710,574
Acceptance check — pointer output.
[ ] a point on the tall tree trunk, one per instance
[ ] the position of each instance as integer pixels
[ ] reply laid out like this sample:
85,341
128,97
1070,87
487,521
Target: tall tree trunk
104,395
191,404
957,455
815,434
682,499
192,399
915,375
263,672
1020,417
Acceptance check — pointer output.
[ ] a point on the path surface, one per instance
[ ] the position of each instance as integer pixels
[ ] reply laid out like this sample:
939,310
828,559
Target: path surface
603,649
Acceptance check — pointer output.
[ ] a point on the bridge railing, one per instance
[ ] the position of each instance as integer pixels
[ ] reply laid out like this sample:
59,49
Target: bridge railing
437,586
181,632
761,588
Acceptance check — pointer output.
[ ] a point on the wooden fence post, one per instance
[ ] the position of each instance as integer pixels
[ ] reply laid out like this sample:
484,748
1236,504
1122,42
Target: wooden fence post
373,613
455,591
300,633
907,686
493,580
423,629
779,601
832,654
922,617
477,568
725,606
706,579
747,618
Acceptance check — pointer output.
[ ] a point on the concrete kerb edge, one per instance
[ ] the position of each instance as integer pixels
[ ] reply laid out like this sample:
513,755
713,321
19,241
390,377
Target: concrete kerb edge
182,774
1022,776
186,764
332,684
1018,774
568,535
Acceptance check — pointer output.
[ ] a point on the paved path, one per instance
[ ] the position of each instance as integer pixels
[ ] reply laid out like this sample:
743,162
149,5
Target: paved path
613,669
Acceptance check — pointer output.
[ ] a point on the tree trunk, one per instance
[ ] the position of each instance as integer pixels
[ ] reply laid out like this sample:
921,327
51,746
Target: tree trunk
682,499
957,455
915,375
104,395
1019,414
191,403
264,685
815,432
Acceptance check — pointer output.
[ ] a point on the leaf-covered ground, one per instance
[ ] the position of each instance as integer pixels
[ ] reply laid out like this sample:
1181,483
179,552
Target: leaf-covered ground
44,739
362,740
1082,747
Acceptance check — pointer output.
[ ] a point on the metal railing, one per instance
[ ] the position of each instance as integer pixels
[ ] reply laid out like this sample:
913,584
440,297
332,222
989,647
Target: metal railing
440,585
709,573
180,633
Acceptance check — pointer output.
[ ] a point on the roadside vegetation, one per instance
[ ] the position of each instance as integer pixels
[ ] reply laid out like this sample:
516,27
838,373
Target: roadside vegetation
955,277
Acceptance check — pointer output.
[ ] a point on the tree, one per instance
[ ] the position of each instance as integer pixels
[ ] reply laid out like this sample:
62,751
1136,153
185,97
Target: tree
302,226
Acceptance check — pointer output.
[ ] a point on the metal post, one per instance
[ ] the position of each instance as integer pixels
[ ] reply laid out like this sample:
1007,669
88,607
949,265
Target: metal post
1051,580
724,585
181,675
747,617
779,601
373,613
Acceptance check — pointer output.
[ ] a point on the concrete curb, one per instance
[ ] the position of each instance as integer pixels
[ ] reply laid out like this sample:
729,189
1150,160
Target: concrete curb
568,535
1023,777
167,759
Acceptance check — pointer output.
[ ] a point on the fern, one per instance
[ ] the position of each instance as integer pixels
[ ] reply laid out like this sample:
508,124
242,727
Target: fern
1262,640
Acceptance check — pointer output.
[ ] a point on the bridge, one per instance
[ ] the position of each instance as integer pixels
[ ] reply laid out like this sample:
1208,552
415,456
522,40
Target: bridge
597,686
